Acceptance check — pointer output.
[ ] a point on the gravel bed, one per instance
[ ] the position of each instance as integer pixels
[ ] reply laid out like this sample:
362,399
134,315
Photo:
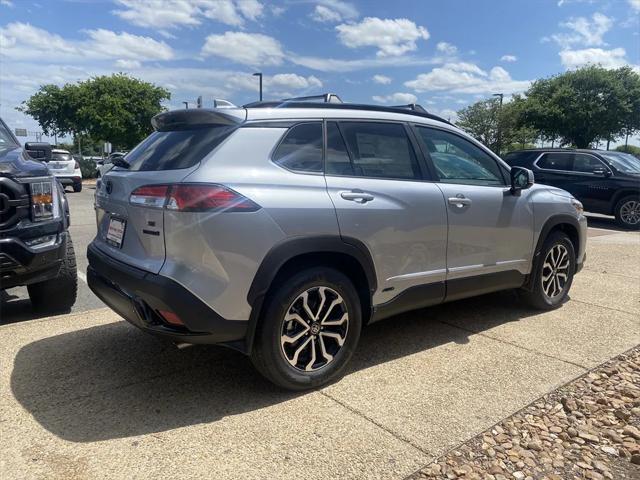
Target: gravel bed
590,428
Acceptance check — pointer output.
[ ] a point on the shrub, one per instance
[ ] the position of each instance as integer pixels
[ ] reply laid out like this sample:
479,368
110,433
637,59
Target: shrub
632,149
88,167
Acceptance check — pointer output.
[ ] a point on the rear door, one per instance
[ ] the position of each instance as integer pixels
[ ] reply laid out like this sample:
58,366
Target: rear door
490,230
129,202
382,198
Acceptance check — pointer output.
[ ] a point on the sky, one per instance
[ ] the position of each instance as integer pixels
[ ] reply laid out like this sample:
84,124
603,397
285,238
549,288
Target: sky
442,54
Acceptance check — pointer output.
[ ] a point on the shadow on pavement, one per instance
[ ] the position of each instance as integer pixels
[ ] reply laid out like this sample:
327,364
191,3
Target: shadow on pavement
601,221
18,308
113,381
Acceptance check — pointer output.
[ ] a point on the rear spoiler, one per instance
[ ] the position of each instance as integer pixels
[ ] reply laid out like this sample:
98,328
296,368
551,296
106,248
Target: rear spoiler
197,117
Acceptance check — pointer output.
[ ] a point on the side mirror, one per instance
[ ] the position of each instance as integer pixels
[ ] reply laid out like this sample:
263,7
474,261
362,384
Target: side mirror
602,171
38,150
521,179
118,160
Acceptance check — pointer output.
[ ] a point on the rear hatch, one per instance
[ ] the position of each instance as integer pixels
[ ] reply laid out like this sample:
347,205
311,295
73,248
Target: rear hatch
129,201
62,164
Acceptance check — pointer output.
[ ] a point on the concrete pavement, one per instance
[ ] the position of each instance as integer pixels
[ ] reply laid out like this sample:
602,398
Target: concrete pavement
87,396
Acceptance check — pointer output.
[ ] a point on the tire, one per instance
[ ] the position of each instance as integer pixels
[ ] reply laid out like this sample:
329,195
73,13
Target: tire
545,294
272,355
77,187
59,293
627,212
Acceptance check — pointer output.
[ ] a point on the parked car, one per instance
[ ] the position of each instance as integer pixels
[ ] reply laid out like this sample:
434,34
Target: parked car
281,228
35,245
65,168
606,182
105,165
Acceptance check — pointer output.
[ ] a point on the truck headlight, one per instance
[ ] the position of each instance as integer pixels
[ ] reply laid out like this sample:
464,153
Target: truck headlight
45,204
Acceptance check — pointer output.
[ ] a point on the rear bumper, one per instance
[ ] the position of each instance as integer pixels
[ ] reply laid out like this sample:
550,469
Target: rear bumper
138,296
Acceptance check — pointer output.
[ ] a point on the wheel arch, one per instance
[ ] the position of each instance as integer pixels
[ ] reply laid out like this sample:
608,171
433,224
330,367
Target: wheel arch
348,255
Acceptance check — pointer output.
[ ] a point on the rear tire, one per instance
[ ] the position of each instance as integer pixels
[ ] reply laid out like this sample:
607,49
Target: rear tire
552,274
300,347
627,212
77,187
59,293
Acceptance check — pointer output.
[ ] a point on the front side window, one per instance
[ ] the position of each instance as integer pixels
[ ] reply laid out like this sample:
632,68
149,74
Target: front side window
457,160
6,139
624,162
301,148
556,161
586,163
378,150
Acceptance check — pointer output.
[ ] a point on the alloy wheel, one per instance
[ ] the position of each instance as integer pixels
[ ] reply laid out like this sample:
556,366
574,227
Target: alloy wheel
630,212
314,329
555,271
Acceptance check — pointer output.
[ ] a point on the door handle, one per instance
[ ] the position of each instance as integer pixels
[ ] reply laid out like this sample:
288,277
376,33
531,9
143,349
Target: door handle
459,202
358,197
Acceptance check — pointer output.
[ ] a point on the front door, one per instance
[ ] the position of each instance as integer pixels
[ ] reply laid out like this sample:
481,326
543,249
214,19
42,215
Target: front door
490,239
378,188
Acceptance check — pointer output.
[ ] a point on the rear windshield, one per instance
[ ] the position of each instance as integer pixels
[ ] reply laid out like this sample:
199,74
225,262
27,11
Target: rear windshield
61,157
176,149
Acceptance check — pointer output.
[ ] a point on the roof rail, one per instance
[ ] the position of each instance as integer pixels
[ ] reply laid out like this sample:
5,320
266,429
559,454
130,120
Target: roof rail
412,106
418,112
324,98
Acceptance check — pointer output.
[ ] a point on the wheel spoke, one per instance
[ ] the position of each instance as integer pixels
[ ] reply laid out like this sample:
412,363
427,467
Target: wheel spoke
295,338
294,360
305,305
343,319
323,349
337,336
323,299
337,301
309,366
297,318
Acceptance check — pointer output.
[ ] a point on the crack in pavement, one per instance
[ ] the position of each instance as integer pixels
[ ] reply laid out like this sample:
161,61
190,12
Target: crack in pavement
633,314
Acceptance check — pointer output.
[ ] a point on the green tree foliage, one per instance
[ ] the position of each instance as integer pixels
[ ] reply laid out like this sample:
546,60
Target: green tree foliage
115,108
585,105
632,149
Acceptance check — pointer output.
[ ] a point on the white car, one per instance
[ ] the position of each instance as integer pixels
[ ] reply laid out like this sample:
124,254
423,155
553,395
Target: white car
66,169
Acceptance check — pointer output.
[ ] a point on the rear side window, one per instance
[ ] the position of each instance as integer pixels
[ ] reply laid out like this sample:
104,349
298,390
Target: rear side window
301,148
61,157
176,149
556,161
379,150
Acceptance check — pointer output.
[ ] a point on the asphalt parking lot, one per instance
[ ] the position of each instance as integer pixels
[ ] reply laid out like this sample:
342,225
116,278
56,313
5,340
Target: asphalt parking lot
85,395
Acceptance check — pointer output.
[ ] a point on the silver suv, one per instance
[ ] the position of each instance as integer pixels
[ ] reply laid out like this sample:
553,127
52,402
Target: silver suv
280,229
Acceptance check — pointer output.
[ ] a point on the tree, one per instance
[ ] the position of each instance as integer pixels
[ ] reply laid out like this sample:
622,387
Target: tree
115,108
480,120
584,105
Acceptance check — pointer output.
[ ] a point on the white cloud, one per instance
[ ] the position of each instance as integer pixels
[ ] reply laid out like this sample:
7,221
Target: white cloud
293,81
25,42
398,97
584,32
508,58
614,58
381,79
333,11
176,13
447,48
465,77
635,5
392,37
7,3
252,49
128,64
447,114
325,64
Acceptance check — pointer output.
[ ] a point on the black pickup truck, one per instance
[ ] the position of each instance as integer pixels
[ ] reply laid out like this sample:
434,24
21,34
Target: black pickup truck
35,244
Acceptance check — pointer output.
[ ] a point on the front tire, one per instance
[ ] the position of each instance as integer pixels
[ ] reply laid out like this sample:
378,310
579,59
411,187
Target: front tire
309,330
627,212
59,293
553,273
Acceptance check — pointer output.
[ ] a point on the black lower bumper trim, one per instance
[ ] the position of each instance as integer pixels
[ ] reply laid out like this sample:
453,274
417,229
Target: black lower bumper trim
21,265
138,296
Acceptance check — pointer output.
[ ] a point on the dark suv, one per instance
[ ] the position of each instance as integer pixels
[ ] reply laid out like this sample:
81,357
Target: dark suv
606,182
35,246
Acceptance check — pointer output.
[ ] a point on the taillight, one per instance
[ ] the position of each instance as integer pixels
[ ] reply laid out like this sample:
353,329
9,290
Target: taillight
77,165
185,197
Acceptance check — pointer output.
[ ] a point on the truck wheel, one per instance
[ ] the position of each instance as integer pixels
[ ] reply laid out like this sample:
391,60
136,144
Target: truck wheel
59,293
309,330
553,273
628,212
77,187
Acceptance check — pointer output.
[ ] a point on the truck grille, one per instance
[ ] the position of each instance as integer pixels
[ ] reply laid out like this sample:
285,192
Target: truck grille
14,202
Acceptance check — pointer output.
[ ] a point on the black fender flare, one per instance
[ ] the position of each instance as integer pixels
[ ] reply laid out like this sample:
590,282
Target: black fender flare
294,247
550,224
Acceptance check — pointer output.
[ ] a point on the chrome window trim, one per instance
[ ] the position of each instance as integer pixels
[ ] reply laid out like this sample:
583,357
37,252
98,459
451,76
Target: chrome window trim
571,172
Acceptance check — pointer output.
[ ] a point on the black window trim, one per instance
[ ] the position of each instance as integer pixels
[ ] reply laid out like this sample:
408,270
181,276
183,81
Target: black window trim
425,174
570,172
503,171
283,136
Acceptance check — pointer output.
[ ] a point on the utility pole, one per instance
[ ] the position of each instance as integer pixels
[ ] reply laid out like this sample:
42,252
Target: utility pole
259,75
501,95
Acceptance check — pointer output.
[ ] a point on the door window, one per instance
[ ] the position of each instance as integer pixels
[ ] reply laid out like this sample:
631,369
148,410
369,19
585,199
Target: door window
586,163
457,160
301,148
556,161
379,150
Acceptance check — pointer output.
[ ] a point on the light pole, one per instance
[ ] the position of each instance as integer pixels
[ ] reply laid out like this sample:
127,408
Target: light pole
501,95
259,75
186,105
